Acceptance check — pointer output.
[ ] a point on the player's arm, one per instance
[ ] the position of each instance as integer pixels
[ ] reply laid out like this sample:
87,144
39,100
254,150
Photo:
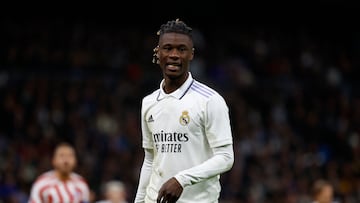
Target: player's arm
86,191
144,176
218,132
222,161
146,167
35,194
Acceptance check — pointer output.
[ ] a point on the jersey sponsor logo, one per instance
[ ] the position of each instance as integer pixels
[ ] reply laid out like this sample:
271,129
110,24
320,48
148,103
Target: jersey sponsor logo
170,137
168,148
184,118
169,142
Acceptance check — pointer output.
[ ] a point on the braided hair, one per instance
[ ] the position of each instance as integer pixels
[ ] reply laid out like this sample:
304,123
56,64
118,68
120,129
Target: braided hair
172,26
176,26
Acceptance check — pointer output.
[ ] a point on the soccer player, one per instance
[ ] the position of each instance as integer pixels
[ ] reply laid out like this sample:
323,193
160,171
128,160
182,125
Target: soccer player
186,132
61,184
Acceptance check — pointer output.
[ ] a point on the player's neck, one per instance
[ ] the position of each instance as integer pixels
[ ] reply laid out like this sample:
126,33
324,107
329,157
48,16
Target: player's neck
170,85
62,176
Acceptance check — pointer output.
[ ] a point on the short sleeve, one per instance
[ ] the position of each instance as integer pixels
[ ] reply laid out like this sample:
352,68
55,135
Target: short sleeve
217,122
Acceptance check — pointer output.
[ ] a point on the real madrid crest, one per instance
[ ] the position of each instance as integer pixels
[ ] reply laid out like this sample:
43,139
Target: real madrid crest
184,118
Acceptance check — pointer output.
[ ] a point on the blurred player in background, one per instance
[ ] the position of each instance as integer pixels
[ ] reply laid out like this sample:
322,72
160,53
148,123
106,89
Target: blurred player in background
323,192
186,133
61,184
114,192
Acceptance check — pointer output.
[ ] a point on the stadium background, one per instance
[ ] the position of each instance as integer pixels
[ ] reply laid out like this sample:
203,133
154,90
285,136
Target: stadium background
290,75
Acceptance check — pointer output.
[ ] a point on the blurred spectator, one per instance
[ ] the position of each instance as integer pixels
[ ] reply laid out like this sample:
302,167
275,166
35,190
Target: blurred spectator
62,183
113,192
323,192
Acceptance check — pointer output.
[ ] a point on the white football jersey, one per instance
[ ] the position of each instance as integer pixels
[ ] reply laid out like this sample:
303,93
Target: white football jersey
181,128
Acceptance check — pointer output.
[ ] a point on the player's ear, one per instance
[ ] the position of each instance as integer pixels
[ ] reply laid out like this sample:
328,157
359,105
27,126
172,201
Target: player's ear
156,55
192,53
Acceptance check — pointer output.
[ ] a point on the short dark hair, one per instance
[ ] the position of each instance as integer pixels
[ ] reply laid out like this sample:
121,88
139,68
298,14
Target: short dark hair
63,144
175,26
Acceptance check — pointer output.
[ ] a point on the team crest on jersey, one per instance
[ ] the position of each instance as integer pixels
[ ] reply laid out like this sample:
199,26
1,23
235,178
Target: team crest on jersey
184,118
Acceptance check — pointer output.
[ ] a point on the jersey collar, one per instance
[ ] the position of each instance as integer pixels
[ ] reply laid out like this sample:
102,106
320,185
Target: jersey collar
179,93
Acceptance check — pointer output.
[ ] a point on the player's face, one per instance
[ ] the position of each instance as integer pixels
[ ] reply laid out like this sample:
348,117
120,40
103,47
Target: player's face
64,159
175,53
326,195
115,195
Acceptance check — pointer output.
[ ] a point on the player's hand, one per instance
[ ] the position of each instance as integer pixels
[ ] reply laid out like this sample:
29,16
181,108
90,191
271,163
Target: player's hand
170,191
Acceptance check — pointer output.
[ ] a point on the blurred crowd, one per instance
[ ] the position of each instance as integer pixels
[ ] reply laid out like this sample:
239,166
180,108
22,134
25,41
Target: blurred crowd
293,94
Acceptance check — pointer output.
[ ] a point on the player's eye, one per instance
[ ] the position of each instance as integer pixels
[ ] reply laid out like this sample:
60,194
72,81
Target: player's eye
166,48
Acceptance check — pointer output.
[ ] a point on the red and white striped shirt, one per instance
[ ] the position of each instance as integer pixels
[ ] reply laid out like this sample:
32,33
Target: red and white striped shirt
49,189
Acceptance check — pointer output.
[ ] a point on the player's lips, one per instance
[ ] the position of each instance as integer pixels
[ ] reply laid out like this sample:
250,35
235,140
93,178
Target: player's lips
173,67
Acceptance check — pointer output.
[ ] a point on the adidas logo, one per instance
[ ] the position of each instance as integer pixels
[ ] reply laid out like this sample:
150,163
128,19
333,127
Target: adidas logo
150,119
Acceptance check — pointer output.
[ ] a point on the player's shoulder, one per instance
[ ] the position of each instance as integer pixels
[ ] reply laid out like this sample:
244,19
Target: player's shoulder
79,178
151,96
46,175
204,90
207,94
44,179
